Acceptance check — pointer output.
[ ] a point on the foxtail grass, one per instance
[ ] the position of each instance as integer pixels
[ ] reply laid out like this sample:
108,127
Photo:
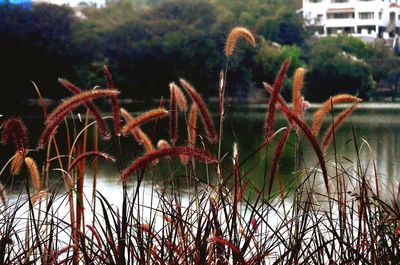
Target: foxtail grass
321,113
105,133
114,101
17,162
180,97
225,219
34,173
204,112
234,35
270,119
56,117
298,83
14,129
143,118
335,126
162,153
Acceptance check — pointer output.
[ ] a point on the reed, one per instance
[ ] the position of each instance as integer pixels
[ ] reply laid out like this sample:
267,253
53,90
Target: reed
143,161
14,129
180,97
270,119
335,126
277,156
56,117
192,125
204,113
144,139
225,219
143,118
85,155
3,196
34,173
173,121
17,162
298,83
105,133
114,101
161,144
320,114
234,35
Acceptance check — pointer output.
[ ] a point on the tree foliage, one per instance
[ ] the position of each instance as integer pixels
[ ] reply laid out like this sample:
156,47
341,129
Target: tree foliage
338,65
149,43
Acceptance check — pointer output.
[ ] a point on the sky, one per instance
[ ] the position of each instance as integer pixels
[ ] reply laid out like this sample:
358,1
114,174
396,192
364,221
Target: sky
73,3
76,2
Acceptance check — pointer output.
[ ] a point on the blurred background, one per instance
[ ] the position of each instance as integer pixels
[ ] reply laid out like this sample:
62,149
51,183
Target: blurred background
148,43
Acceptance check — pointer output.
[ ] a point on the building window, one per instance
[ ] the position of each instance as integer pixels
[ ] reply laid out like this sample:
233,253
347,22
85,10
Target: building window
340,1
315,1
380,15
340,15
366,15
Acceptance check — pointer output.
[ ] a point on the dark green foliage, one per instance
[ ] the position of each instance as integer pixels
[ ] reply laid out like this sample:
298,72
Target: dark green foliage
338,65
34,45
286,28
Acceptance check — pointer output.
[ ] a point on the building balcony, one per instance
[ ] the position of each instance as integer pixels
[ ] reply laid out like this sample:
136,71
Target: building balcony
344,22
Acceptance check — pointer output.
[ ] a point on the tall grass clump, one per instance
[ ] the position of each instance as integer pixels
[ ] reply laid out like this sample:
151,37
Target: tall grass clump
189,199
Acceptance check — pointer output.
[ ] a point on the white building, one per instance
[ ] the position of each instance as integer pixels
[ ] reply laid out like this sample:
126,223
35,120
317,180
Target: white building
367,19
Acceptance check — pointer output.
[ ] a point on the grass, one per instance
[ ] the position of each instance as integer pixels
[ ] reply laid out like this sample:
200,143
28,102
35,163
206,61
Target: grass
212,213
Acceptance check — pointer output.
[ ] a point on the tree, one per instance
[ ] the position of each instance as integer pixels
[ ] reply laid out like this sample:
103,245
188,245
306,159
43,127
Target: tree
336,66
34,45
386,66
268,60
285,28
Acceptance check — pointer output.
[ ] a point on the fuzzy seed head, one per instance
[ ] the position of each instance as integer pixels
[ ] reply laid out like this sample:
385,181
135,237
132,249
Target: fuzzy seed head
143,118
336,124
161,144
143,161
180,97
33,172
320,114
204,112
3,195
17,162
234,35
192,125
15,129
298,83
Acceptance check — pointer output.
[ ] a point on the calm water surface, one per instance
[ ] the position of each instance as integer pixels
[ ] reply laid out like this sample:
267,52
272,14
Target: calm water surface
376,124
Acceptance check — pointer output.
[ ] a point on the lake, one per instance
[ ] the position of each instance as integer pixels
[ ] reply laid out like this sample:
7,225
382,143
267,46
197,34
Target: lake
377,124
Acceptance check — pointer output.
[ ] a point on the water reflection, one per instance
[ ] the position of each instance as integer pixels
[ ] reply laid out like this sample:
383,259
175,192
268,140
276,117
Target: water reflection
376,124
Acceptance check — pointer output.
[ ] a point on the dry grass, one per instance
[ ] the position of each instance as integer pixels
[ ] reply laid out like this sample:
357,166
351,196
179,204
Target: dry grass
225,218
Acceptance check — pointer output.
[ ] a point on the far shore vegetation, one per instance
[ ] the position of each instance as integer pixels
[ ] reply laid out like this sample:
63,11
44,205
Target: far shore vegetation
149,43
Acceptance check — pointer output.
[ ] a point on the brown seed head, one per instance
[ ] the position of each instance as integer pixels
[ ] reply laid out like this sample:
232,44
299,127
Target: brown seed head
34,172
320,114
15,129
3,195
298,83
192,125
143,118
336,124
234,35
57,116
143,161
205,114
180,97
17,162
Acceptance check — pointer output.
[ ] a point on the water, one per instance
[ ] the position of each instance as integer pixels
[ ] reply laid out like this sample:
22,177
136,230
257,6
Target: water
375,124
